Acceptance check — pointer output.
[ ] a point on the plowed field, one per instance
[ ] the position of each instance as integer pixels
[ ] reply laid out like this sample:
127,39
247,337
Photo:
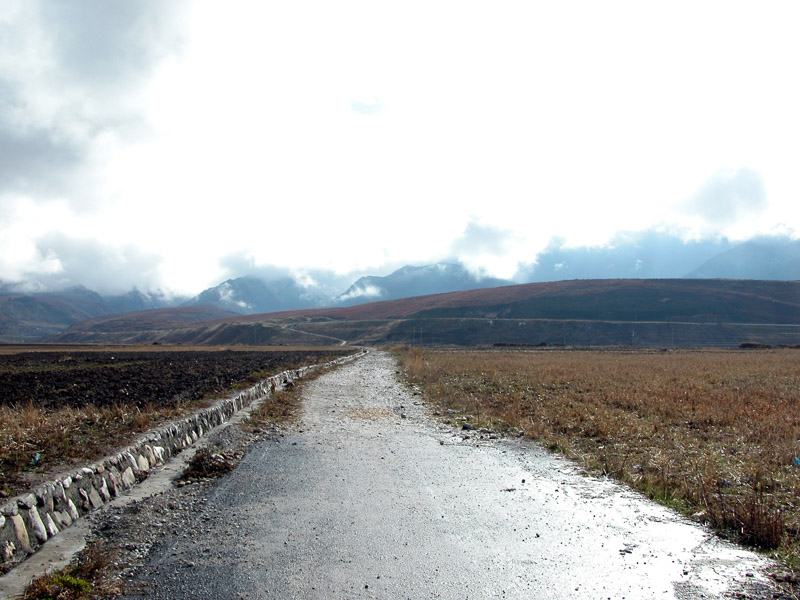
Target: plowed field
54,380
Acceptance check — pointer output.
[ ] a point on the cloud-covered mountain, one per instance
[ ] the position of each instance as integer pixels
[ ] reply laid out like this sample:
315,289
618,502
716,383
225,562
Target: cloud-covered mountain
648,254
763,258
249,295
27,316
415,281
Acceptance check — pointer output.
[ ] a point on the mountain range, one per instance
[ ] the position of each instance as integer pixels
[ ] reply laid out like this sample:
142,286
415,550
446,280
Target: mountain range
29,316
630,312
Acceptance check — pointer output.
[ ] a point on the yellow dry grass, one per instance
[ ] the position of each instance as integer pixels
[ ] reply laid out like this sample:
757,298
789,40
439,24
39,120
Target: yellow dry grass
712,433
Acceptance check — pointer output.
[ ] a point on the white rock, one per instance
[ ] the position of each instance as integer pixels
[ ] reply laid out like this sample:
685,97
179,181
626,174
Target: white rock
38,526
128,478
104,491
52,529
72,510
22,533
142,463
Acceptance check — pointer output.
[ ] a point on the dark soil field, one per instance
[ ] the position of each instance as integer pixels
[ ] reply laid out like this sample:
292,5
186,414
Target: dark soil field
63,406
54,380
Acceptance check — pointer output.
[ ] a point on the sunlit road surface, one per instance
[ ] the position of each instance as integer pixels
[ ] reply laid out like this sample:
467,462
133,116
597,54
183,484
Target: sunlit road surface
373,498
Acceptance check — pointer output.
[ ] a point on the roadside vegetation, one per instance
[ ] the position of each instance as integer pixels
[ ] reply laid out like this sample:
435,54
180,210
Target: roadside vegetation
87,578
714,434
64,407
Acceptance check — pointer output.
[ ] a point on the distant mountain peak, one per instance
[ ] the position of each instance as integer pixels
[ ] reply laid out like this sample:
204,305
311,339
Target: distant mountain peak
411,280
249,294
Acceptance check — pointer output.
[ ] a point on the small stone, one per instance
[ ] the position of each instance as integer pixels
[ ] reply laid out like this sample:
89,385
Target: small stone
8,551
159,453
50,525
64,518
72,510
22,533
104,491
467,427
58,491
27,501
142,463
128,478
37,525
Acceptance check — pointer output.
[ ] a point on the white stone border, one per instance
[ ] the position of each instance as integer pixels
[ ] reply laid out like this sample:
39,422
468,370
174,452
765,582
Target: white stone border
29,520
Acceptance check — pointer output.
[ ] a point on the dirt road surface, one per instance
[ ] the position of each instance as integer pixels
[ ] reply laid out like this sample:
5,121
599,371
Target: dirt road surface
371,497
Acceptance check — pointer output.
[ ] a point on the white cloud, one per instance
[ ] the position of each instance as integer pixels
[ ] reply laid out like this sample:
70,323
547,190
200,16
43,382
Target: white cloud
362,291
355,135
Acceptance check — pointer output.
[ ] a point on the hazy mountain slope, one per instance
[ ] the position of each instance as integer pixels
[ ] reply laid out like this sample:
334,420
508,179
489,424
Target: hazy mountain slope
138,300
639,255
766,258
415,281
248,295
27,317
146,320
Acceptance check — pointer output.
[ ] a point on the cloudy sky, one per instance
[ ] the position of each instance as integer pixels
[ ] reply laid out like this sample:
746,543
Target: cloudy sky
173,144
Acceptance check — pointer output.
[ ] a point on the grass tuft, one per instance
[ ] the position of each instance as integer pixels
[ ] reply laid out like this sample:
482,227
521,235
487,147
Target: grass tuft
85,580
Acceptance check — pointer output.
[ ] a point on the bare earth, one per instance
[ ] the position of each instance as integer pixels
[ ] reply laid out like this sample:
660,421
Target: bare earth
370,497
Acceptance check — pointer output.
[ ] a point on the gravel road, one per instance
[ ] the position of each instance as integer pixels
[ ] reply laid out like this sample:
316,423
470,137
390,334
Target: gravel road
371,497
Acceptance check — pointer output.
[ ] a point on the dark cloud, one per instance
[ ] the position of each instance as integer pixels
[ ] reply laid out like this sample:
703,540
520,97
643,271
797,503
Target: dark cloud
729,196
109,43
70,72
644,254
97,266
30,157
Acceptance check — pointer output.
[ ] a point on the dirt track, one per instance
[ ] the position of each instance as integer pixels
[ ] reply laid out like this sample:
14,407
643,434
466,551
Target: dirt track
371,498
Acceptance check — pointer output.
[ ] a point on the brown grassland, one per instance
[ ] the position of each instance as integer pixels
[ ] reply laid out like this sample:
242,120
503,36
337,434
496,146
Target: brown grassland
714,434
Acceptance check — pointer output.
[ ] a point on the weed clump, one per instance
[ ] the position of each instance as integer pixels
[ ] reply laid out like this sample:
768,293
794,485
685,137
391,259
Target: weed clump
208,465
85,580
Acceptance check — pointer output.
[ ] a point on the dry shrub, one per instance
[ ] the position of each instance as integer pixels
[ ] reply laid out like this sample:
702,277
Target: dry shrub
280,406
711,432
34,439
206,464
86,579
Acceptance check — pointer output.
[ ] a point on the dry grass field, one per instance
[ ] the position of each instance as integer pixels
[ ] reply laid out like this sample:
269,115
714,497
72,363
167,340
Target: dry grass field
714,434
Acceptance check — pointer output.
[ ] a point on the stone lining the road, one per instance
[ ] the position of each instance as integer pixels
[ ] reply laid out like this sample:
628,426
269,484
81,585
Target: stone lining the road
29,520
